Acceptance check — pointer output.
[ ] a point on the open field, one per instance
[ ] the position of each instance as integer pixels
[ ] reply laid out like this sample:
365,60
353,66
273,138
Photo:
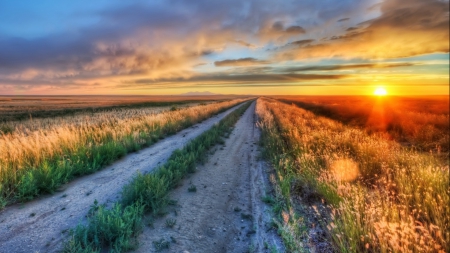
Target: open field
26,107
55,215
38,161
225,126
421,122
235,217
366,193
221,176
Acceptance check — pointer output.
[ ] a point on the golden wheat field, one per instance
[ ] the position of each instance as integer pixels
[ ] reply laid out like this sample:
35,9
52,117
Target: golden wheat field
38,155
26,107
421,121
368,193
339,182
226,126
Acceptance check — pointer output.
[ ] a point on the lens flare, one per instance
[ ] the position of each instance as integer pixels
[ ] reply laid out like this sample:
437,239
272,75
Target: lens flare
345,170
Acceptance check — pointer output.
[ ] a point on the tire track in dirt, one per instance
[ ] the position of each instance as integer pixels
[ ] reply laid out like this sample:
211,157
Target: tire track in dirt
42,225
226,213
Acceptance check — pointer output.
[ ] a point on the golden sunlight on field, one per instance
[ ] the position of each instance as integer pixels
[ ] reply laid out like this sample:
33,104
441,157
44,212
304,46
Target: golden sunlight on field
225,126
375,196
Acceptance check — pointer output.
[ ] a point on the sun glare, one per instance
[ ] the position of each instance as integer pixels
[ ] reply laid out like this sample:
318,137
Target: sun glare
380,91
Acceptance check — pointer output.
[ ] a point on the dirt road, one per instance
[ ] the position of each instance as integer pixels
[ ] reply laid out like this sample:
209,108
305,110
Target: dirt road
42,225
225,213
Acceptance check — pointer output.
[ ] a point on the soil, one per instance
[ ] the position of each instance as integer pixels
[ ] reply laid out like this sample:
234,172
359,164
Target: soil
42,225
225,213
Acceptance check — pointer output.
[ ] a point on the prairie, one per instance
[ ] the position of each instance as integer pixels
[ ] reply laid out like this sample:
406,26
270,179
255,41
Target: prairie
26,107
325,177
146,193
38,156
367,193
115,209
419,122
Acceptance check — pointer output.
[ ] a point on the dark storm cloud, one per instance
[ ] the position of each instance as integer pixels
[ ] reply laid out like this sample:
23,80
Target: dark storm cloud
240,62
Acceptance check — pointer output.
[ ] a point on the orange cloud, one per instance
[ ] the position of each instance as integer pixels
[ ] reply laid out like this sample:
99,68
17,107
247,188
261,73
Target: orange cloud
405,28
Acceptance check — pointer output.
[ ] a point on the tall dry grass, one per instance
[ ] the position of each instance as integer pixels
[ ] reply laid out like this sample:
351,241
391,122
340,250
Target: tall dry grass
421,122
25,107
92,118
35,162
381,196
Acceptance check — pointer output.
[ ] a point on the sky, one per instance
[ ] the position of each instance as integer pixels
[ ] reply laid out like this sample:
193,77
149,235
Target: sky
263,47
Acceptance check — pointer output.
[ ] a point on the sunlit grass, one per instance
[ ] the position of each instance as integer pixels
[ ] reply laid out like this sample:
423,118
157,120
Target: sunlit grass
418,122
38,161
381,196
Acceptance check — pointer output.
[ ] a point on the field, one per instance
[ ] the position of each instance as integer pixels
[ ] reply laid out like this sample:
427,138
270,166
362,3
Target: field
227,174
37,156
367,193
419,122
26,107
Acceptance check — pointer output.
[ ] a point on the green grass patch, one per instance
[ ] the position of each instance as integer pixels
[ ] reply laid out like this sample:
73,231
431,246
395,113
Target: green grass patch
192,188
114,228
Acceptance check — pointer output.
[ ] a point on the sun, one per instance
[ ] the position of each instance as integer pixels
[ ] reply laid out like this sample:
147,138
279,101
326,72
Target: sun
380,91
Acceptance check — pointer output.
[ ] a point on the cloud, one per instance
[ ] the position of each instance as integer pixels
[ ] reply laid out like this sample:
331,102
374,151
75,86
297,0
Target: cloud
299,43
168,40
146,38
404,28
343,19
135,39
351,29
279,31
219,78
240,62
313,68
294,29
245,44
346,67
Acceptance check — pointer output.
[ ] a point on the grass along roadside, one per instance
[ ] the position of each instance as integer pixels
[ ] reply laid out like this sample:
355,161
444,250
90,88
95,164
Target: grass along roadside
290,224
39,163
116,229
23,114
380,197
96,116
